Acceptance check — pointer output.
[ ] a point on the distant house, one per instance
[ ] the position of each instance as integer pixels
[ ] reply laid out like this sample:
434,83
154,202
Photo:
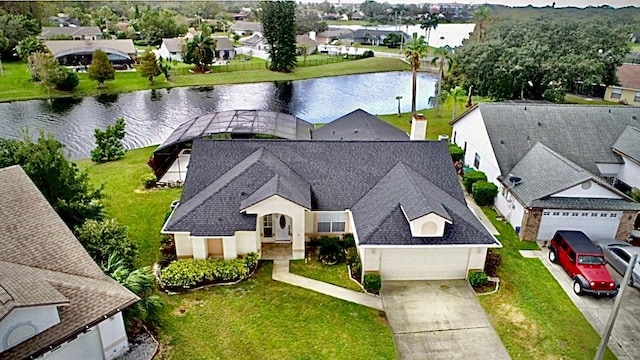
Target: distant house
358,125
64,20
78,33
55,302
240,16
224,48
357,16
255,42
171,48
80,52
307,42
325,37
372,36
246,27
628,91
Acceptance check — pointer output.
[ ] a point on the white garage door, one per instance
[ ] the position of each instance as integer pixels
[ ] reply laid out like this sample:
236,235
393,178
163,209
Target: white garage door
87,347
596,224
424,264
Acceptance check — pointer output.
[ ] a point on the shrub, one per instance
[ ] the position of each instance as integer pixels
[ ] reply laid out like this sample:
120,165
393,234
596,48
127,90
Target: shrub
188,273
148,181
478,279
109,142
330,251
164,259
348,241
457,153
372,282
472,177
367,54
484,193
356,270
492,262
103,239
65,79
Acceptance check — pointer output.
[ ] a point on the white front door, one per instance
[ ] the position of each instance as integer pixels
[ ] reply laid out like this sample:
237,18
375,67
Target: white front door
282,223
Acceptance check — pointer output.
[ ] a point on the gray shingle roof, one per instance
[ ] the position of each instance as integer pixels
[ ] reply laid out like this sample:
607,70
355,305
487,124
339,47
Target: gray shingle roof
583,134
586,204
58,47
627,143
41,262
223,43
50,31
225,174
358,125
174,44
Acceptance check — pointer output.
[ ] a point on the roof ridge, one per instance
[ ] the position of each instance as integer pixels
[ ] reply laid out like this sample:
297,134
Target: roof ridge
378,226
558,156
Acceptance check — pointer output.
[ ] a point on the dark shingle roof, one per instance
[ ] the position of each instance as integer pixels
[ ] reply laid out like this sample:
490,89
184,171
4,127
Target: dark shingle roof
50,31
358,125
627,143
42,263
224,175
223,43
582,134
174,44
586,204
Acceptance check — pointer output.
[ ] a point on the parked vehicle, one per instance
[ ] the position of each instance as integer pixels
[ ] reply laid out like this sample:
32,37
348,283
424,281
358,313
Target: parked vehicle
584,262
618,254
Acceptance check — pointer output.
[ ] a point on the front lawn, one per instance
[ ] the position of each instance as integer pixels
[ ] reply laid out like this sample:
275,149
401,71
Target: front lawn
532,314
332,274
264,319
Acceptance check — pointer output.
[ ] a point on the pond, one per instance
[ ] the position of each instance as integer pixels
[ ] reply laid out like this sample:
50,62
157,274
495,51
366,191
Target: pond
153,114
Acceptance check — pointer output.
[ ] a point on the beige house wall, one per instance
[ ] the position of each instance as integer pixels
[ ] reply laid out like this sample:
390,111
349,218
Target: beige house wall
628,95
184,247
531,224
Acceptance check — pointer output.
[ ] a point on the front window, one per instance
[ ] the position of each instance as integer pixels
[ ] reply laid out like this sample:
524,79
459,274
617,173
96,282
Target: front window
331,221
267,226
616,93
590,260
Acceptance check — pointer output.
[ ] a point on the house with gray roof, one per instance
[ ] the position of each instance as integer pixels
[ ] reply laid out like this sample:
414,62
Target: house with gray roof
224,48
400,199
246,27
558,167
76,33
358,125
171,48
120,52
55,302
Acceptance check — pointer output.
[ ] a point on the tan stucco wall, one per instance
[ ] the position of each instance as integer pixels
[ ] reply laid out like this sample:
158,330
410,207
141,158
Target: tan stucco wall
531,224
628,95
626,225
246,242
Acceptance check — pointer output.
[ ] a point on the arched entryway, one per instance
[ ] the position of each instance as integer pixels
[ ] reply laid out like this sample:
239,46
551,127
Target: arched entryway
276,228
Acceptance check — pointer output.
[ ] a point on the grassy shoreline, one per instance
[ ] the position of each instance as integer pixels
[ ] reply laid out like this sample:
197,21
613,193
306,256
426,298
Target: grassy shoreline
16,84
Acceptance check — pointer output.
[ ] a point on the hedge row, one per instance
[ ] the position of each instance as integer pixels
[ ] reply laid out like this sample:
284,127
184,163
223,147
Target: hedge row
189,273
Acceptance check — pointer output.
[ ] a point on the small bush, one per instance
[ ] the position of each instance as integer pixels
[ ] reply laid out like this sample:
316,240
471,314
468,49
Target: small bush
348,241
148,181
472,177
492,262
164,259
457,153
356,271
484,193
188,273
478,279
352,256
65,79
330,251
372,282
367,54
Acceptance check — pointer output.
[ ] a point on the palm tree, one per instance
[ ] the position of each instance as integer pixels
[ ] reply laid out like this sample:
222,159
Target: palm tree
200,51
456,98
415,50
481,14
441,59
429,22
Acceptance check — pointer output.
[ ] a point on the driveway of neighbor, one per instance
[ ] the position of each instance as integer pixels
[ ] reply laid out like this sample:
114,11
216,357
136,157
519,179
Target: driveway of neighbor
625,336
439,320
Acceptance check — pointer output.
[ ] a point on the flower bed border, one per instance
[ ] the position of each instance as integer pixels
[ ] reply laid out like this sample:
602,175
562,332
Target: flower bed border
360,285
157,271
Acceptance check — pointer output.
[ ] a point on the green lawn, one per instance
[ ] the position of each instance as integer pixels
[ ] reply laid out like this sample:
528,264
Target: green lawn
532,314
142,211
16,84
332,274
264,319
572,99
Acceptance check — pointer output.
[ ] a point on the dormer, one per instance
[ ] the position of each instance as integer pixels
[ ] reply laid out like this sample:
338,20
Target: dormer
430,225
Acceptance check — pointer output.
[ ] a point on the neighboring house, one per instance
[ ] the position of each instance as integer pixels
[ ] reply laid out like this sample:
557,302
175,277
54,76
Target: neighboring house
240,16
357,16
400,199
358,125
64,20
55,302
629,90
307,42
224,48
246,27
325,37
255,42
80,52
555,165
171,49
372,36
78,33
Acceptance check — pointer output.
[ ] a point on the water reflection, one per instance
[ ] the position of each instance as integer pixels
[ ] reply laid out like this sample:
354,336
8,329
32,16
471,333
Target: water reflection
152,115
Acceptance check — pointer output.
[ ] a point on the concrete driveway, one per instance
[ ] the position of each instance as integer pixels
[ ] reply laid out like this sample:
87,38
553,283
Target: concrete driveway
625,336
439,320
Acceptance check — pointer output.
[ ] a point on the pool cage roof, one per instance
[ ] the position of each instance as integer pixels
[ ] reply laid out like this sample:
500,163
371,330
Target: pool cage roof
270,123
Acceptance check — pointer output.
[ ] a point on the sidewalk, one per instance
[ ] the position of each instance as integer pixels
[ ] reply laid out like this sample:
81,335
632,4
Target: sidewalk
480,214
281,273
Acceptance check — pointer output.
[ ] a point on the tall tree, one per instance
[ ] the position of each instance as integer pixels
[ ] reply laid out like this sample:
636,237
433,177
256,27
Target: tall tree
149,66
279,25
109,145
67,189
28,46
157,24
200,51
42,67
416,49
456,98
100,68
442,58
481,14
430,22
13,29
308,20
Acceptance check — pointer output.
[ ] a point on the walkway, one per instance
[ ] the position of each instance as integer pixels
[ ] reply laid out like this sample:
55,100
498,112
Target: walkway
281,273
480,214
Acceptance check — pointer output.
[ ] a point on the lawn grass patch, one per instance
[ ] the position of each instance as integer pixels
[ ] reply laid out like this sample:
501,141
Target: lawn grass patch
533,316
142,211
333,274
572,99
264,319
